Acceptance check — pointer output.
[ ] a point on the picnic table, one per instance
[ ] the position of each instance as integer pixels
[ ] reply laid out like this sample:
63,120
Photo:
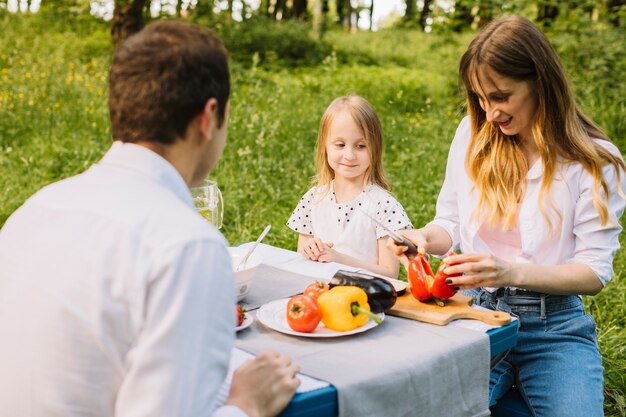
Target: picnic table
401,367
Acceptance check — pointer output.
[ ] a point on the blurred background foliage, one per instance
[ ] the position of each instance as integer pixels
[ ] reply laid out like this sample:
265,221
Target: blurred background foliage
289,59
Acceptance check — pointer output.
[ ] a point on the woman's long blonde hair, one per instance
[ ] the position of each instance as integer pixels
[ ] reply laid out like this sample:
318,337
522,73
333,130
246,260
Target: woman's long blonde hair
366,119
515,48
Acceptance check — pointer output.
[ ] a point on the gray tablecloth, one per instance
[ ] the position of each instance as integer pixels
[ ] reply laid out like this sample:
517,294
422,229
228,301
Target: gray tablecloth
400,368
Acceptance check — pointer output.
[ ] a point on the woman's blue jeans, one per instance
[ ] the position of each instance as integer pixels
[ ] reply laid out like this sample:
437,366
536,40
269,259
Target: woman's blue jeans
556,364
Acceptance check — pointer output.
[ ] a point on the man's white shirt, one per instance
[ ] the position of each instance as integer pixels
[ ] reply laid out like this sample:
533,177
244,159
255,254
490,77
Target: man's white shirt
116,298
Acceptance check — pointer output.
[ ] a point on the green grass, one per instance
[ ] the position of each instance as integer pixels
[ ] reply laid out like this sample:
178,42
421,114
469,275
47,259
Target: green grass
54,123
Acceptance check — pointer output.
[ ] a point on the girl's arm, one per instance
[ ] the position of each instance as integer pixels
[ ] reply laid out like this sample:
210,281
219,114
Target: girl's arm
314,249
387,265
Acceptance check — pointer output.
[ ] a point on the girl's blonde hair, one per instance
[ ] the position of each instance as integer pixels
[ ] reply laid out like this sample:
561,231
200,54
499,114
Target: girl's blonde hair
515,48
365,118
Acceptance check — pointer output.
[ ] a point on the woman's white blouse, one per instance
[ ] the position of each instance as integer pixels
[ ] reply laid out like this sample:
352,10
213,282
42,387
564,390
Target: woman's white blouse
580,238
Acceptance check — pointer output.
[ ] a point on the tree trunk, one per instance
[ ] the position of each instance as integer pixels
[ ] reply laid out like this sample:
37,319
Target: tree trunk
425,13
371,14
280,6
127,19
286,10
547,11
229,9
340,11
352,17
318,18
264,7
275,9
147,13
300,8
613,11
410,12
344,13
485,12
462,17
325,8
204,8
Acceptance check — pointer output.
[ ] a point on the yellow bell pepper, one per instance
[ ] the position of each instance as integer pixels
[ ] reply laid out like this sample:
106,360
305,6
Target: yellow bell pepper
345,308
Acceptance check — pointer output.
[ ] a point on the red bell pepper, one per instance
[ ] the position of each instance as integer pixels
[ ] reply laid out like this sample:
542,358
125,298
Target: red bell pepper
440,289
425,285
420,277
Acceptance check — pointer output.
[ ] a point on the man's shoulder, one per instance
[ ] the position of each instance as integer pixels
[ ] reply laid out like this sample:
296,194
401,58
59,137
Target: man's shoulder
180,224
143,208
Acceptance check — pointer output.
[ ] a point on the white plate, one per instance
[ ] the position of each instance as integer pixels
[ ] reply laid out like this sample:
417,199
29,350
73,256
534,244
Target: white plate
274,316
247,322
397,284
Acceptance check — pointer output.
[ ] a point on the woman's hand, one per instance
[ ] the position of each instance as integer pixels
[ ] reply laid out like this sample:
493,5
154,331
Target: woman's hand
478,270
417,236
429,239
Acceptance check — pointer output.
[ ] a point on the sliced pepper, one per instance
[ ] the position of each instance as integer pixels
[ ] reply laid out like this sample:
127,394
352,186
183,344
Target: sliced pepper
439,288
345,308
424,284
420,276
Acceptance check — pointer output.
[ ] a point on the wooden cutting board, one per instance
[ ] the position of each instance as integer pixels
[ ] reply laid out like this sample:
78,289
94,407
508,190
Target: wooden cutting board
457,307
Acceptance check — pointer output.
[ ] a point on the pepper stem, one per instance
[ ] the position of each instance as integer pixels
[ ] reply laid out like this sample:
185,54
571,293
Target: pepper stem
439,301
357,309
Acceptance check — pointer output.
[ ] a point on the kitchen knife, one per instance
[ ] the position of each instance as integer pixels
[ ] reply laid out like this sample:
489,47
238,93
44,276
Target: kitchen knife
400,240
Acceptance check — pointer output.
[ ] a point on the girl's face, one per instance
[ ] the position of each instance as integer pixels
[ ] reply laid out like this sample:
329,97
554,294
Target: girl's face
508,103
346,149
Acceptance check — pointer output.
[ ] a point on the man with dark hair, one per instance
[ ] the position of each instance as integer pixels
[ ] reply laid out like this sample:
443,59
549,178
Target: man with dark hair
116,297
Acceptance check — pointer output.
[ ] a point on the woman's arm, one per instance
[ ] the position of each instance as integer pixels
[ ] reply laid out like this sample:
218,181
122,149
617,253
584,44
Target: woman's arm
486,270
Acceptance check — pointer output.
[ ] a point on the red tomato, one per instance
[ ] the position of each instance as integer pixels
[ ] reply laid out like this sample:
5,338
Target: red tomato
241,314
316,288
303,314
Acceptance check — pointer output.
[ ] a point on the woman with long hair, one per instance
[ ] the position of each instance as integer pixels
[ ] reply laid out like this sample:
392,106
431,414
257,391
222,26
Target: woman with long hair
532,197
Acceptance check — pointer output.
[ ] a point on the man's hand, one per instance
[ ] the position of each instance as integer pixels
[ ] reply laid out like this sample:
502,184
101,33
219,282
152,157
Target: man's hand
263,386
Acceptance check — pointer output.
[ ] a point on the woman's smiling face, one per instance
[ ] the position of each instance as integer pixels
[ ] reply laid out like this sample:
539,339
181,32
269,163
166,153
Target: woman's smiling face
508,103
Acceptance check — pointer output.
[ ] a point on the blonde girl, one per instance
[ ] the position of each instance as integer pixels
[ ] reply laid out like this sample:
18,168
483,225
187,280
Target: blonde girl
533,197
333,218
